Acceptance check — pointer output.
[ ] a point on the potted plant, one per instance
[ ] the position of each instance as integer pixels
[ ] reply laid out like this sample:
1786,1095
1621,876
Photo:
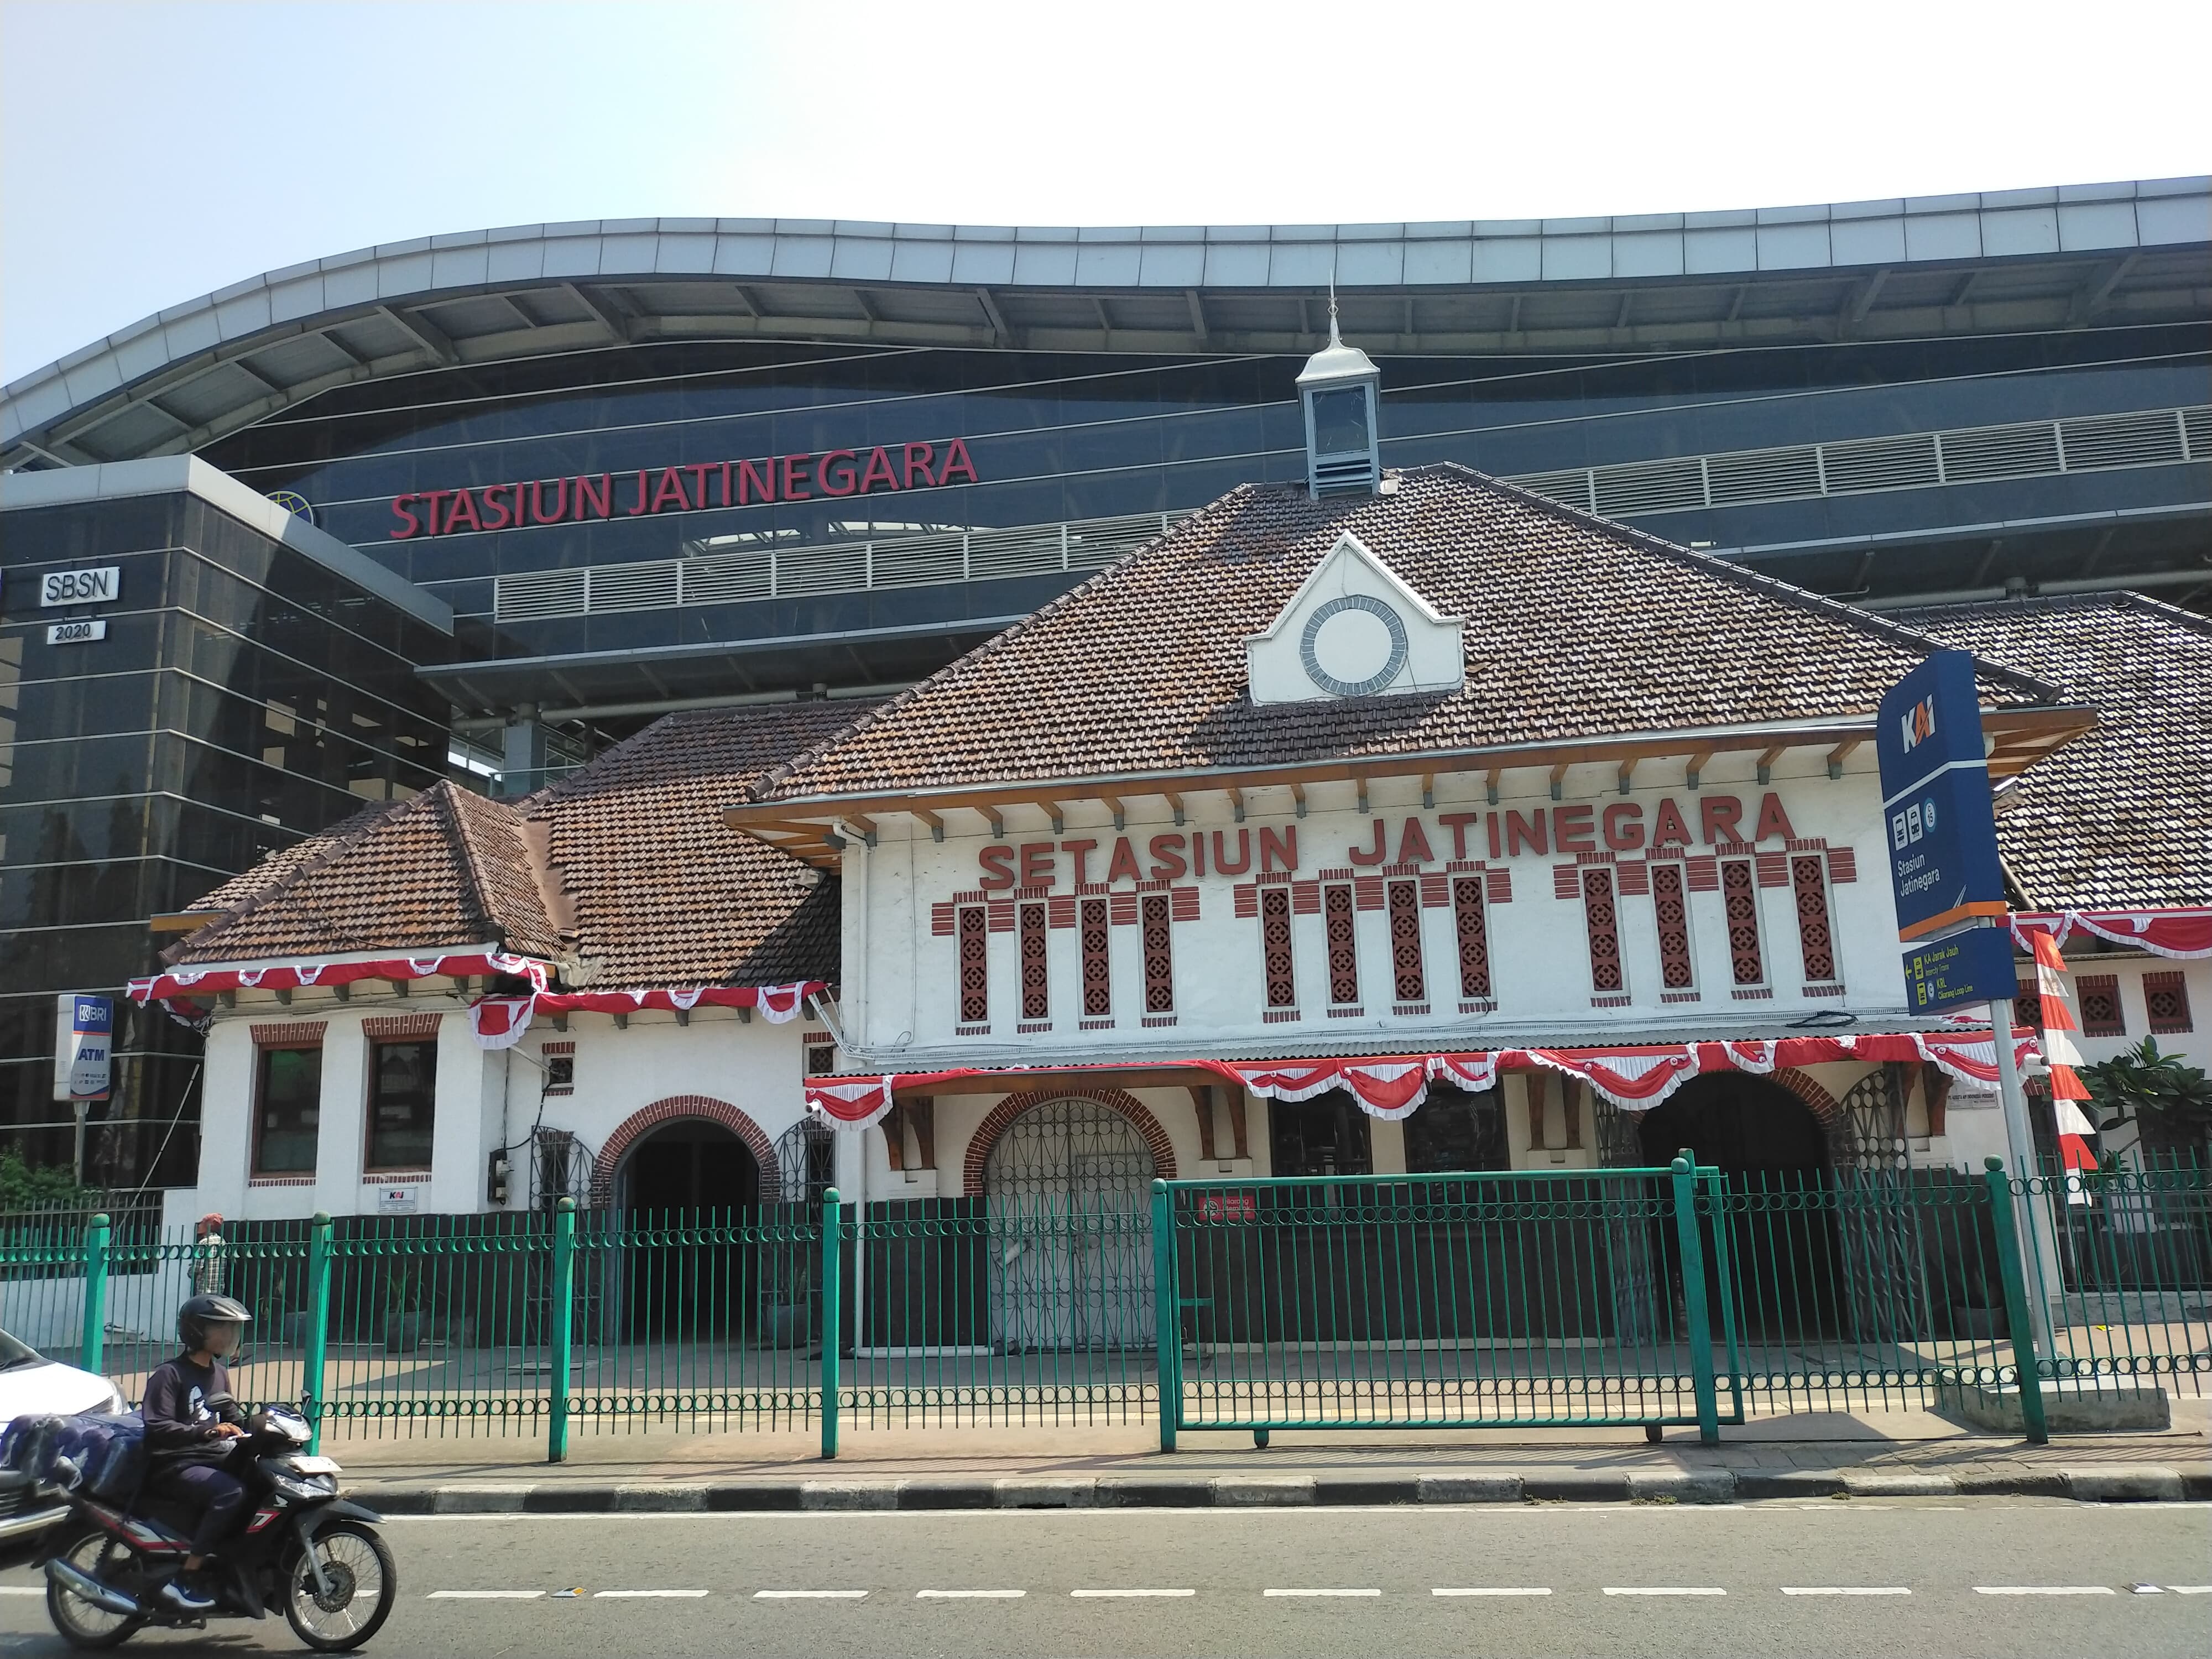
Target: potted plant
403,1316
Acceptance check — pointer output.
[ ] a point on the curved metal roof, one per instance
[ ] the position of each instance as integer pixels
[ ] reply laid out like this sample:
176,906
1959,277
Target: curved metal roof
1952,265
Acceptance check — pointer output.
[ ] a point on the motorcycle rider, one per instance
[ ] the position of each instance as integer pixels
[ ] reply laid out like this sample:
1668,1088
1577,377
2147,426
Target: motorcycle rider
191,1422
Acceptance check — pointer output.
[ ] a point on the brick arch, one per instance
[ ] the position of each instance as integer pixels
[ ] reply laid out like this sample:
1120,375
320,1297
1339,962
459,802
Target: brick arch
677,1108
1000,1117
1827,1111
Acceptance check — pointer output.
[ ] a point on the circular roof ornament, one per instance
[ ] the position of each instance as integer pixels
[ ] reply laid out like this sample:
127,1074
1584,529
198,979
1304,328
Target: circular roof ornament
294,503
1351,646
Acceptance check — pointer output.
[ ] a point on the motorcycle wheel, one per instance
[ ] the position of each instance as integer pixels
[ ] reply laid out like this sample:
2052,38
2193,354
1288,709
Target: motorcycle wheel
82,1624
364,1584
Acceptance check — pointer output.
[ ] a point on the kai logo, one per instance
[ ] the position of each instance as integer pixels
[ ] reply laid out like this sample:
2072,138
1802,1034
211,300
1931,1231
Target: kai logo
1917,724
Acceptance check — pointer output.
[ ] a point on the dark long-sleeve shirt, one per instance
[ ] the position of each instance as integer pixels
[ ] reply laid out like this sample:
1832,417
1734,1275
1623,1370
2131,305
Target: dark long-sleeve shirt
184,1402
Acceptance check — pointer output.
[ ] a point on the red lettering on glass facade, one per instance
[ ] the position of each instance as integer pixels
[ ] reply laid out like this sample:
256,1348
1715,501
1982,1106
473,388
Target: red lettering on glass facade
786,477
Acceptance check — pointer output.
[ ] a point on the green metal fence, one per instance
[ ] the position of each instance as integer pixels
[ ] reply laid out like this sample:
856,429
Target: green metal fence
1521,1299
1448,1301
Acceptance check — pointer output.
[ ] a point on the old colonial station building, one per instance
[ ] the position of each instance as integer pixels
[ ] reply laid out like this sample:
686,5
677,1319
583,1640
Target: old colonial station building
1394,821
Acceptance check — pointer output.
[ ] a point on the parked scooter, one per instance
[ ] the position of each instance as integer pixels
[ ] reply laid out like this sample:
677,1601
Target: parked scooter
302,1548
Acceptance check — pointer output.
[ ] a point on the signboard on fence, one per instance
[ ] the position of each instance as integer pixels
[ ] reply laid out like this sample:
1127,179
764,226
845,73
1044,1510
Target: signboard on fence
1942,838
84,1031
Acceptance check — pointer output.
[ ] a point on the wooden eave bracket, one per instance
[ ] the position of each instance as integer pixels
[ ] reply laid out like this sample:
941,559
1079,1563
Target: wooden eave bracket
1766,759
1559,778
1698,761
1841,753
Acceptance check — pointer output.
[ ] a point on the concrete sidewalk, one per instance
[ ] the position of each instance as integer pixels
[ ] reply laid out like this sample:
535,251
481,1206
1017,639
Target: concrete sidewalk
1891,1453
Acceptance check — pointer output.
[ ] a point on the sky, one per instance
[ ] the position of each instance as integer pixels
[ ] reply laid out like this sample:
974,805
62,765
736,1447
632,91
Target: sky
157,152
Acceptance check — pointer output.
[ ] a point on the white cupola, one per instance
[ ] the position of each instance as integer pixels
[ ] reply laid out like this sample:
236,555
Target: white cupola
1338,387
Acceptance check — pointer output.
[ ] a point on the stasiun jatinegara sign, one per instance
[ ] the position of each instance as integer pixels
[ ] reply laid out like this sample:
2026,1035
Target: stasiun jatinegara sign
688,489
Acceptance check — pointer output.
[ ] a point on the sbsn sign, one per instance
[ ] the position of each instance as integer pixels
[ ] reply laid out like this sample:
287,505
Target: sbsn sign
688,489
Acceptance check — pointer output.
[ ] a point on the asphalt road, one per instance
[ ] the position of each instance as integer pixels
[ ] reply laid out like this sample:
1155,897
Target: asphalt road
1988,1578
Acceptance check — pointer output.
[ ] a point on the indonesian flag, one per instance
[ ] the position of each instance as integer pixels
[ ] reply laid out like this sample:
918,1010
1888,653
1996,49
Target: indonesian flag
2061,1057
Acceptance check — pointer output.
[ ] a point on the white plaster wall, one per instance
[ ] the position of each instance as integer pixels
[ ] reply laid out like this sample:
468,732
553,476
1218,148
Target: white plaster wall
486,1098
902,995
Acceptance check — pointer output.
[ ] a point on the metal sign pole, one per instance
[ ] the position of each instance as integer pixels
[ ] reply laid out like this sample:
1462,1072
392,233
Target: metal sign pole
2031,1214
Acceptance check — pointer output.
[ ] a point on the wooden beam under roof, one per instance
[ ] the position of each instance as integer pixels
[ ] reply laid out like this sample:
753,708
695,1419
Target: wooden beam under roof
1766,759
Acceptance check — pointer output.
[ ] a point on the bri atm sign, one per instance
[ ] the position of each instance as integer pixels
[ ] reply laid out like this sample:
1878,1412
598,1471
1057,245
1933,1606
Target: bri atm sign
1941,835
84,1035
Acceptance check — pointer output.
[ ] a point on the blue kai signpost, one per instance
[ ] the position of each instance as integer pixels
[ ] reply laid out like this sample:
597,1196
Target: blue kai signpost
1942,846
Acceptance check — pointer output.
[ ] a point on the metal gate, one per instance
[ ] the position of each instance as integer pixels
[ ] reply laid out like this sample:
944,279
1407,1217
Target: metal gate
1067,1193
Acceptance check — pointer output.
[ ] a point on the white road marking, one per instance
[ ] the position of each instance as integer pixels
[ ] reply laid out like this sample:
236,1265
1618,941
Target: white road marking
484,1596
22,1589
1845,1589
1494,1590
2043,1589
810,1596
969,1595
1103,1593
1322,1592
649,1595
1664,1589
2191,1590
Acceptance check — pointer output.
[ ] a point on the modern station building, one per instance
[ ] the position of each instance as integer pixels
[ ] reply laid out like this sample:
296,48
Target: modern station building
570,478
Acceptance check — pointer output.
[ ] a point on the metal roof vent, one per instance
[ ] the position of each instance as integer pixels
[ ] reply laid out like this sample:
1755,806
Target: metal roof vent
1339,386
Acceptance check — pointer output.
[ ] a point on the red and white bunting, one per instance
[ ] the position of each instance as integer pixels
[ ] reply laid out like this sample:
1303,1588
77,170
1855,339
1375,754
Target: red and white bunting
2061,1057
200,984
1392,1086
499,1022
2185,935
852,1102
1387,1089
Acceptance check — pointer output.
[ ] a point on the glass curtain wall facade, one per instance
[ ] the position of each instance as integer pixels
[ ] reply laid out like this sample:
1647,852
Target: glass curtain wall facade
1062,437
243,696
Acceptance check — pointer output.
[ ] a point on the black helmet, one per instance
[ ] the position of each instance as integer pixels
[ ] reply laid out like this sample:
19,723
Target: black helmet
201,1311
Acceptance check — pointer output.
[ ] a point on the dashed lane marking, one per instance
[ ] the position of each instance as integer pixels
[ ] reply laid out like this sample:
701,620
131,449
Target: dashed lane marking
1106,1594
2043,1589
810,1596
1664,1589
22,1589
484,1596
1845,1589
970,1595
1494,1590
649,1594
2191,1590
1322,1592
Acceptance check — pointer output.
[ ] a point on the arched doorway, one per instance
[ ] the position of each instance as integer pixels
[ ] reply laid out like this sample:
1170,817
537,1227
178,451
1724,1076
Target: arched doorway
1067,1191
1781,1228
689,1191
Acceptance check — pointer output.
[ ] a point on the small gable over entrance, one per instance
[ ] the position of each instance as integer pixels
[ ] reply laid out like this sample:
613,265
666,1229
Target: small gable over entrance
1354,629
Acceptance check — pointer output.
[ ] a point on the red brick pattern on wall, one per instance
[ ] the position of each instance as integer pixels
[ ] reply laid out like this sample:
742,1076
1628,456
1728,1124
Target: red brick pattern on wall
389,1026
640,1124
1001,1117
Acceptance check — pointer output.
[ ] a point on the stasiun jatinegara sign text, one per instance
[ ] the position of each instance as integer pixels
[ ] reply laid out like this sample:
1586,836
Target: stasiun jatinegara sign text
688,489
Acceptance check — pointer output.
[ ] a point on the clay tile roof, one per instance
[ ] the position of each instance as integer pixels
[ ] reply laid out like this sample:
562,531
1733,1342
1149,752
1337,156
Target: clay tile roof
1575,628
663,892
624,873
439,869
2121,817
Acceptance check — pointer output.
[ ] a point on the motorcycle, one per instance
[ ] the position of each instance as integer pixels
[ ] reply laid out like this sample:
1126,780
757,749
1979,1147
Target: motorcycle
301,1547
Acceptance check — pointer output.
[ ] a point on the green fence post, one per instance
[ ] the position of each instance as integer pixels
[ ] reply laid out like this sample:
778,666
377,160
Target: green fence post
319,1326
2015,1295
95,1358
1694,1300
833,1313
1166,1308
563,1294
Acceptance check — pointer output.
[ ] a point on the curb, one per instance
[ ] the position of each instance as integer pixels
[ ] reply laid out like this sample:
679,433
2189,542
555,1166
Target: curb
2110,1484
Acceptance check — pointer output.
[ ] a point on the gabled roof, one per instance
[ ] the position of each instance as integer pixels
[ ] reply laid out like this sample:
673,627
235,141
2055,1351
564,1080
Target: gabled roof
665,893
2122,818
625,874
442,868
1575,628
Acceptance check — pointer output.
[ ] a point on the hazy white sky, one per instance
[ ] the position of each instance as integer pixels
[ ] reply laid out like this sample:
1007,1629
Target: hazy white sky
155,152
